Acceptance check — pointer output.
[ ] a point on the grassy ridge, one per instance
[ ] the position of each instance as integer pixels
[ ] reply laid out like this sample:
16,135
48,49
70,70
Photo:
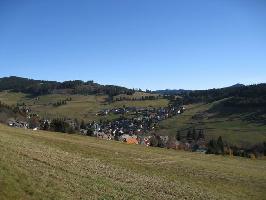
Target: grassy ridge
43,165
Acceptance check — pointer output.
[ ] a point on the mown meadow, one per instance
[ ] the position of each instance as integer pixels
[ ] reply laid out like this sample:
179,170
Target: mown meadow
46,165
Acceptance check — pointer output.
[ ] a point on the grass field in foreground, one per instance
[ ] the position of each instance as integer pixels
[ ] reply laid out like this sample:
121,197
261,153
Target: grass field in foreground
45,165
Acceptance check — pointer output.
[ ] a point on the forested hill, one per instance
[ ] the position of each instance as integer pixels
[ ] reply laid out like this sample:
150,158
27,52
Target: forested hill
246,102
40,87
239,94
252,95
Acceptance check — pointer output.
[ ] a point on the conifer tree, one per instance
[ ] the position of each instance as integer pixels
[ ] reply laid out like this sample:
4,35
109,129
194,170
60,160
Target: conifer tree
220,145
178,136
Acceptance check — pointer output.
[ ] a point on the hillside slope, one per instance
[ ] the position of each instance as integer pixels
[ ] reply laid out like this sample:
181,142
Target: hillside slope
44,165
82,107
235,127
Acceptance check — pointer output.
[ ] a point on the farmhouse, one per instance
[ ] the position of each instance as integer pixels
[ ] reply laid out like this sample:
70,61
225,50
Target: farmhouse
132,141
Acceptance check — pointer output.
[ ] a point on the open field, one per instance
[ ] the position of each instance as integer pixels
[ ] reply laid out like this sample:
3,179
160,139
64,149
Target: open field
12,98
136,95
44,165
232,128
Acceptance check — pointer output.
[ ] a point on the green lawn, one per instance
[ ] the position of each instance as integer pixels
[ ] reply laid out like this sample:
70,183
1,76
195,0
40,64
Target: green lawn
45,165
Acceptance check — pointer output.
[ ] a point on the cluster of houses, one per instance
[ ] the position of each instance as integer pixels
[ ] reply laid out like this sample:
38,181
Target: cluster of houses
141,110
132,130
117,111
135,128
18,123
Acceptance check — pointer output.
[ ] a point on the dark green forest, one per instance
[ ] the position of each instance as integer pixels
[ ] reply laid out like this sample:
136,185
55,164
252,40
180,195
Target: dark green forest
41,87
237,95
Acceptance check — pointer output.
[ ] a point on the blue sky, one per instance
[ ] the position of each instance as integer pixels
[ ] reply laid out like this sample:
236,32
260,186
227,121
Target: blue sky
154,44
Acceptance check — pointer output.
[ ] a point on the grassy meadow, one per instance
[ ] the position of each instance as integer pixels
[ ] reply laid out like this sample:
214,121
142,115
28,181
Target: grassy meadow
46,165
231,128
136,95
12,98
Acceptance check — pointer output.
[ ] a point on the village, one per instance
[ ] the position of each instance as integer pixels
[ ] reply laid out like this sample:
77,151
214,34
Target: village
136,128
130,125
133,125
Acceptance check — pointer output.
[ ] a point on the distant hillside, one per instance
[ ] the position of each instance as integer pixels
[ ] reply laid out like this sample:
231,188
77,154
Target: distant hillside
182,91
81,106
252,95
237,85
239,99
243,127
41,87
237,113
172,92
136,96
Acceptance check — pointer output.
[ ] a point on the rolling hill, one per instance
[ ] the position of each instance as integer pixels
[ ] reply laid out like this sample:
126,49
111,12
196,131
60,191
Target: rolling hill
237,113
234,127
46,165
82,107
41,87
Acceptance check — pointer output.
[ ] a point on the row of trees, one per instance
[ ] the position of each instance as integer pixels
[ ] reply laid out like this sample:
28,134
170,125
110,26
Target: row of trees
156,141
192,135
65,126
62,102
216,146
141,98
219,147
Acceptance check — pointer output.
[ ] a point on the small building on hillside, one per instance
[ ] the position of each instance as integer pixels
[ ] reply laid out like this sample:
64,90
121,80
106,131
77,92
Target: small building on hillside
129,139
132,141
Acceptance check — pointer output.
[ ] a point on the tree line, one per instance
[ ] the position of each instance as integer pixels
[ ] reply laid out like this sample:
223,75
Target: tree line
219,147
41,87
252,95
62,102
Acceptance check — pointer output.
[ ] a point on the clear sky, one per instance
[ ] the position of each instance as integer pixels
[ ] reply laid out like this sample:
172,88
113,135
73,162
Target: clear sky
154,44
